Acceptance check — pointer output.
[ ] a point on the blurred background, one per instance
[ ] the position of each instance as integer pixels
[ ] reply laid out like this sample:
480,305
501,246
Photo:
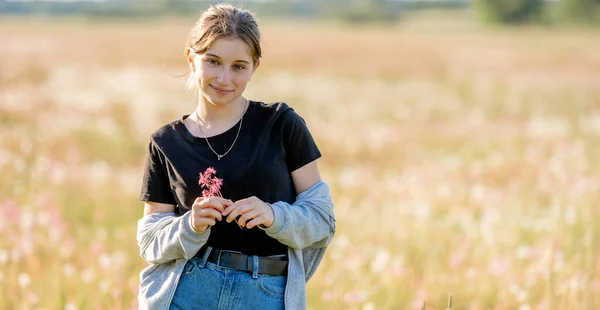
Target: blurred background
461,140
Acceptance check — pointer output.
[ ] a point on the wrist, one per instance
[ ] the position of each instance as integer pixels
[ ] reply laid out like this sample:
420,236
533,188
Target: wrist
270,218
191,221
279,217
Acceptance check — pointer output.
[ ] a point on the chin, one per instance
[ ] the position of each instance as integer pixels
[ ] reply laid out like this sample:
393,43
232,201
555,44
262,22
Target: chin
218,99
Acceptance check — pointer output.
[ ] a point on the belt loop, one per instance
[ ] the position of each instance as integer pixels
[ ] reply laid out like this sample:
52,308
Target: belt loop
205,256
254,267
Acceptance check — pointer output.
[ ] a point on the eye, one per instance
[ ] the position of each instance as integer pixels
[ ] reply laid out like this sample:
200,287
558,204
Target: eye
212,61
239,67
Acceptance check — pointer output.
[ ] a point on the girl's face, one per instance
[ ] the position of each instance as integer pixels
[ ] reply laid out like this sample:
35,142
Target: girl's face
223,71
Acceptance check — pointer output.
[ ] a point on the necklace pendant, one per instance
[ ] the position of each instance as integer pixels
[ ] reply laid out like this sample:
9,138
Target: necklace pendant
219,157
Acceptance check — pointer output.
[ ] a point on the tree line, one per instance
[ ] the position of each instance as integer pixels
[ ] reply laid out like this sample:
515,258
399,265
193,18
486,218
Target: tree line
352,11
539,11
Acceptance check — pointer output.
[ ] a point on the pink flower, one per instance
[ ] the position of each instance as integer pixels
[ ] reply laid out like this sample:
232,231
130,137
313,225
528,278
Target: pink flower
206,177
499,265
215,185
211,184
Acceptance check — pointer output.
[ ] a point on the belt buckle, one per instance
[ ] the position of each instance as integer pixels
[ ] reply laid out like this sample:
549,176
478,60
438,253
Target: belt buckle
221,252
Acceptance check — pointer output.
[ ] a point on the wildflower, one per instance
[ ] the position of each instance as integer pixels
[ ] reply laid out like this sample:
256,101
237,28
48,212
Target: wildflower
104,286
202,180
211,170
211,184
87,276
105,261
216,184
68,270
381,260
3,256
24,280
71,306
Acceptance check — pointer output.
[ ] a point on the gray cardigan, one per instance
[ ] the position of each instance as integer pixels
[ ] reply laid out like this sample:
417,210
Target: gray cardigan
167,242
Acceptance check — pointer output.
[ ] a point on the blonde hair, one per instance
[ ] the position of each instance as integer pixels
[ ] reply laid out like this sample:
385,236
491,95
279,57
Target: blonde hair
221,21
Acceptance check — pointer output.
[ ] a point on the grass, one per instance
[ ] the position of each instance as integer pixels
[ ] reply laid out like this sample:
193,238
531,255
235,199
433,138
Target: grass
462,160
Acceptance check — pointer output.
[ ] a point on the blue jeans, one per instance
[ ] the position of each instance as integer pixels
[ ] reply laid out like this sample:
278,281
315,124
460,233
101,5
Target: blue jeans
204,285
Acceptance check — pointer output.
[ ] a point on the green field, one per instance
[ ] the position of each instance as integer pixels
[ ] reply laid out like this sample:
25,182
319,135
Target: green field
461,160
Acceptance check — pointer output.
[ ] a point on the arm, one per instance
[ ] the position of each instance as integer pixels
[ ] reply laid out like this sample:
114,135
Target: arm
310,220
163,237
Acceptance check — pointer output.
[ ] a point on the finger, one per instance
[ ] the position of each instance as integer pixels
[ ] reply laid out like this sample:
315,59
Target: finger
233,207
210,213
230,209
247,216
255,222
238,211
200,203
216,203
237,204
203,221
200,199
226,202
221,202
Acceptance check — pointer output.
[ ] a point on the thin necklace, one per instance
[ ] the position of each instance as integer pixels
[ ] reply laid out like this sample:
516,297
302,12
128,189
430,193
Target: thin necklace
219,156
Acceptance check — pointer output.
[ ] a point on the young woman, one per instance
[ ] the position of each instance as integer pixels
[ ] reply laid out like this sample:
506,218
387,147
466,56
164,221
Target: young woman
256,239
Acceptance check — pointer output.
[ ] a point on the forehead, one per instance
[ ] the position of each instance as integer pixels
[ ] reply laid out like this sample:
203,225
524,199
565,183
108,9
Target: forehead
230,48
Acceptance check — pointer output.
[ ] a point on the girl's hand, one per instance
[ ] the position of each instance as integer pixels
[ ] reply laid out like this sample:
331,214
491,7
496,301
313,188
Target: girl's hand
206,211
252,212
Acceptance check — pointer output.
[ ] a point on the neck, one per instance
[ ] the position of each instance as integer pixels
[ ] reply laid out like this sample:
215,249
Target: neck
213,115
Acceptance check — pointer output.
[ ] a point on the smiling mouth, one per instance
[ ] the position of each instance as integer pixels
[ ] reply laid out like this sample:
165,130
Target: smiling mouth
220,90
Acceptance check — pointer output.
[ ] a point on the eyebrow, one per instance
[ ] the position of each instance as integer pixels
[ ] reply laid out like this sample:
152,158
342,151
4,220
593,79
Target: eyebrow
213,55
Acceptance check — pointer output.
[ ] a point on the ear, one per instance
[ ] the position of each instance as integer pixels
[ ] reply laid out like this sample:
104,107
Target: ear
189,53
256,66
254,69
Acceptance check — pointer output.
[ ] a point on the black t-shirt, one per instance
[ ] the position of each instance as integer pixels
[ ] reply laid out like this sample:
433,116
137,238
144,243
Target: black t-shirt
274,141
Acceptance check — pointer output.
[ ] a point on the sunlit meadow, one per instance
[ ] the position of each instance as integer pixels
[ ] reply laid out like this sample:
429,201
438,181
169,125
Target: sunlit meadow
462,161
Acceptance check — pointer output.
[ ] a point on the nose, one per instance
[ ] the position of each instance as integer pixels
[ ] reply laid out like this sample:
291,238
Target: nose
224,77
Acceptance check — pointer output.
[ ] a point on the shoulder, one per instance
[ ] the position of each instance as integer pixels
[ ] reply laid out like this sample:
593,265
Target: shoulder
272,109
279,113
165,133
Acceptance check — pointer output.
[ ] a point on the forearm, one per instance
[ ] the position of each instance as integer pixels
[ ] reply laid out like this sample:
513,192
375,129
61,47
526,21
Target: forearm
308,222
163,237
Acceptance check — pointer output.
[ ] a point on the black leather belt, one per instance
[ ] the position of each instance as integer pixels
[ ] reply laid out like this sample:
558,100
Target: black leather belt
275,265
